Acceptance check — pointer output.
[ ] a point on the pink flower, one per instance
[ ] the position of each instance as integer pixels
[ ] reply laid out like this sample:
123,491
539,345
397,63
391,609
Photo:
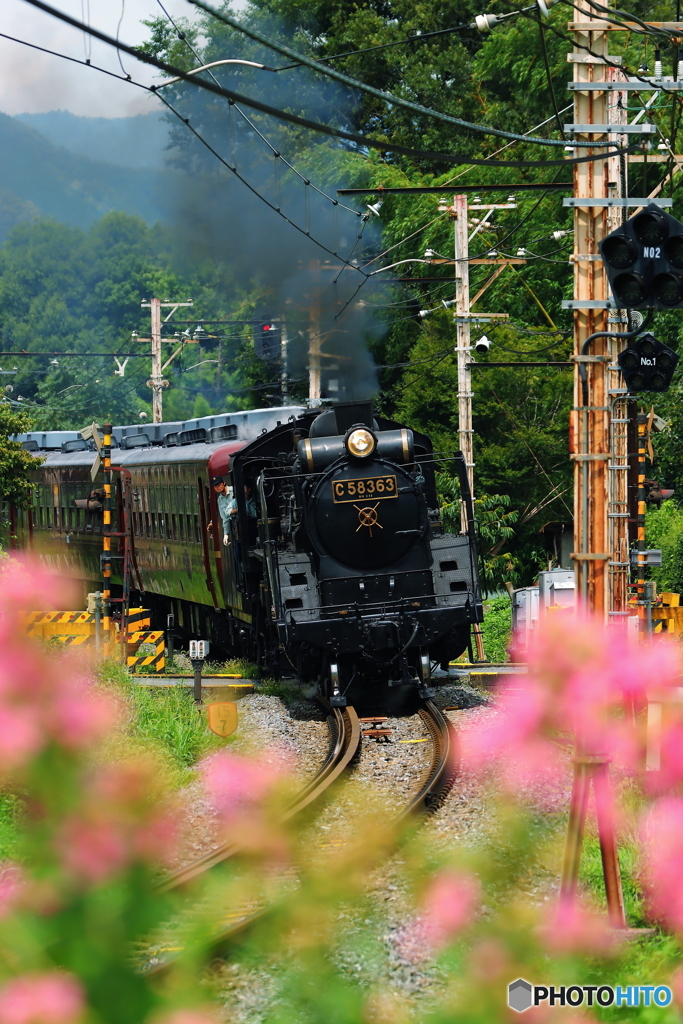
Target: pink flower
448,906
188,1017
80,715
92,850
662,856
571,928
234,784
11,882
20,735
50,998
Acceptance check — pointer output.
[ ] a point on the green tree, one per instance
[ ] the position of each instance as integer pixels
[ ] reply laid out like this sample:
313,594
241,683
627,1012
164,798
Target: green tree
15,462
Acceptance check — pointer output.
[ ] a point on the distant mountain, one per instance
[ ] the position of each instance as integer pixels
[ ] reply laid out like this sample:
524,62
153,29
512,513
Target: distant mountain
123,141
40,178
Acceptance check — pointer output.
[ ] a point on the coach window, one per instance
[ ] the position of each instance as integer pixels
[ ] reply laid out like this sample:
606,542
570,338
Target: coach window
180,507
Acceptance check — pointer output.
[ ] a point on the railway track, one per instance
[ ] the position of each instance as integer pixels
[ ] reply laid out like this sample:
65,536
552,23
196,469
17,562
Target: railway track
434,787
345,746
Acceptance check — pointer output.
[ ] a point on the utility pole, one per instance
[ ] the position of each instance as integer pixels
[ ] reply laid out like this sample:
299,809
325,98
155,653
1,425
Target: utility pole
463,339
591,411
590,445
157,381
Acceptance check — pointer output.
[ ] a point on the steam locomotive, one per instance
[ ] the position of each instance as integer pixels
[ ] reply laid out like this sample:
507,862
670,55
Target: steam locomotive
344,577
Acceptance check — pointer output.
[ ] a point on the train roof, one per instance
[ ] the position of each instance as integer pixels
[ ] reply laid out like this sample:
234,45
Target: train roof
202,453
244,426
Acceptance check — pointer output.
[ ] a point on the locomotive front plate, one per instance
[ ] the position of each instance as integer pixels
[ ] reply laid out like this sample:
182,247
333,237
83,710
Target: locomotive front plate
375,487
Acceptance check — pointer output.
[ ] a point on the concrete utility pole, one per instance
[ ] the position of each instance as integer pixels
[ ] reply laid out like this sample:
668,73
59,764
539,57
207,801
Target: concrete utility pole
157,381
463,338
591,448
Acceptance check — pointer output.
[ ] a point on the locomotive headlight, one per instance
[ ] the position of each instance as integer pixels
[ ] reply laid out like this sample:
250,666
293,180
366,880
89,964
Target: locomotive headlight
361,443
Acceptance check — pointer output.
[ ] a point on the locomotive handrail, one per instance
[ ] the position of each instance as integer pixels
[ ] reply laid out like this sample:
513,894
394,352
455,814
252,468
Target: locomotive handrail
203,522
273,574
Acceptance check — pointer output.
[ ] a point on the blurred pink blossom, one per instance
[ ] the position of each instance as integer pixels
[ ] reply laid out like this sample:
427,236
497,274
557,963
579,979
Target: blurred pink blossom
448,906
46,696
120,821
188,1017
11,883
235,784
662,856
92,850
571,928
50,998
580,677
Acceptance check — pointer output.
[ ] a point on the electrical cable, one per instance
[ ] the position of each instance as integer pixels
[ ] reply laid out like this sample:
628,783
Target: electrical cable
118,30
335,202
185,121
354,83
549,78
316,125
255,191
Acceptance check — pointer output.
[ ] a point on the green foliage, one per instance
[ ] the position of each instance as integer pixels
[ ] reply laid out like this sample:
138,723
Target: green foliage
495,530
664,530
16,464
497,629
164,718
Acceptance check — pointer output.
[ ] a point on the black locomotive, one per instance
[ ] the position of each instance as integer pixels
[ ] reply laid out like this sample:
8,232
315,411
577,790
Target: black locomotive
344,577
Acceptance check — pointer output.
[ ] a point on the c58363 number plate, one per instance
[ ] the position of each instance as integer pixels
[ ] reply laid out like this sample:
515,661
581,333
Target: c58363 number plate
369,488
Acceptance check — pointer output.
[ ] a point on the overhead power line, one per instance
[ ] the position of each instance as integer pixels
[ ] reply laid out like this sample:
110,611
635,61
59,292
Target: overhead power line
317,125
354,83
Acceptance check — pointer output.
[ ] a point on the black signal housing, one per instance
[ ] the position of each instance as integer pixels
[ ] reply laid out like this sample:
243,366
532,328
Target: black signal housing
647,365
267,340
643,260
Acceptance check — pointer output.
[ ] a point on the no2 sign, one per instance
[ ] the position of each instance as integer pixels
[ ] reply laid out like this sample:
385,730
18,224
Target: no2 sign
652,252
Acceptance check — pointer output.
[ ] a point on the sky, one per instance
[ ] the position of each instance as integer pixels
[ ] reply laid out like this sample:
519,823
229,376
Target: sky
33,82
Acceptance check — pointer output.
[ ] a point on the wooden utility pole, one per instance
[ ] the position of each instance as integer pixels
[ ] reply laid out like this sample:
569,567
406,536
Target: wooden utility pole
157,382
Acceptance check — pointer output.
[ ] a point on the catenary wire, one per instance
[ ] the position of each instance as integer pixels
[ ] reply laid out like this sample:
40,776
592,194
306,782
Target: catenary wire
276,153
139,85
354,83
362,140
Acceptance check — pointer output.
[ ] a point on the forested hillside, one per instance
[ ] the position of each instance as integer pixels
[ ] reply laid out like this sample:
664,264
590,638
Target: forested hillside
257,230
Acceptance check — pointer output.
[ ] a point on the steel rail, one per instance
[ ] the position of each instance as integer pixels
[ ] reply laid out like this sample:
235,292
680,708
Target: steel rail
343,750
439,778
435,786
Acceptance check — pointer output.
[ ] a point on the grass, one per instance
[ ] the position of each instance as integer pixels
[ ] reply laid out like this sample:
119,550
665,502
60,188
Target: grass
166,718
497,629
648,960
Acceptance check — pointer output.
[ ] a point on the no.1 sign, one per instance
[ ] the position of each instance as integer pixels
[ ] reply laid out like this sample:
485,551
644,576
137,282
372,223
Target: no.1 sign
222,718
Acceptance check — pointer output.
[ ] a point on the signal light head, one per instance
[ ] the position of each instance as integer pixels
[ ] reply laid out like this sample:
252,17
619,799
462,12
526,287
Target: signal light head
647,365
629,290
673,251
643,260
668,288
650,227
619,251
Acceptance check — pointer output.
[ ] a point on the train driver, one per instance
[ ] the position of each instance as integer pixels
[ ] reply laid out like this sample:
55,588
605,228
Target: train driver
249,503
224,501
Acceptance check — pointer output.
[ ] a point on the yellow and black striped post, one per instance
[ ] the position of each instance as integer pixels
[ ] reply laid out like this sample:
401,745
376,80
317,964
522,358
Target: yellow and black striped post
106,540
642,436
